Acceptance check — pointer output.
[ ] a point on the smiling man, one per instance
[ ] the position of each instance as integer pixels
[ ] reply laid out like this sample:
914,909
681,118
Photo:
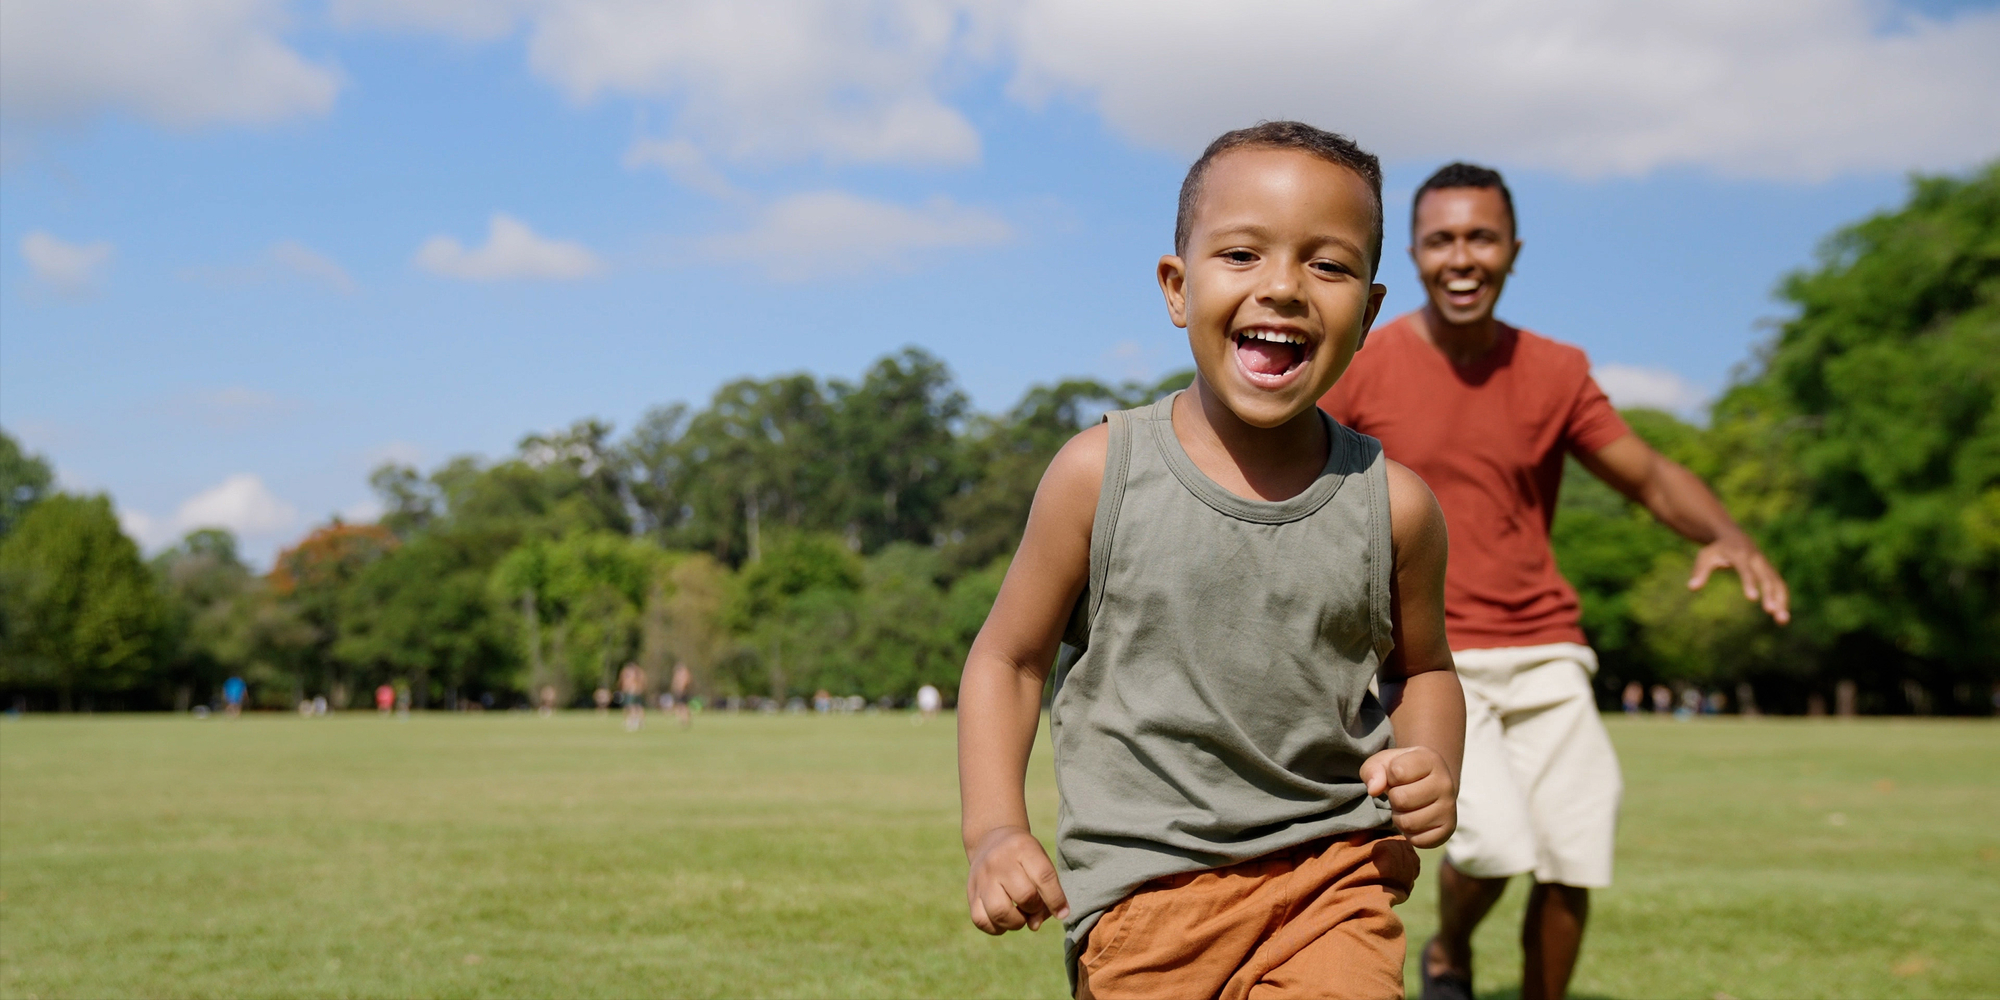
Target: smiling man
1485,412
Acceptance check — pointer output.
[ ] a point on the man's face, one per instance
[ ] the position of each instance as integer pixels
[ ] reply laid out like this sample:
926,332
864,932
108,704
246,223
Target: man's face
1464,247
1274,289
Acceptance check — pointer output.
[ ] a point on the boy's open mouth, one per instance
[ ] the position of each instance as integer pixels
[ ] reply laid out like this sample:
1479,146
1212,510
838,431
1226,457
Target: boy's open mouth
1268,356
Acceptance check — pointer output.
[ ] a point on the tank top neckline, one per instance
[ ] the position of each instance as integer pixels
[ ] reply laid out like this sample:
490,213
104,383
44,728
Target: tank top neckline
1212,493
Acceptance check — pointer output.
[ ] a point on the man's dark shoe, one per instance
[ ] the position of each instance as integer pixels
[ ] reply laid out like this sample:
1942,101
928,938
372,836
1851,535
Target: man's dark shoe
1448,986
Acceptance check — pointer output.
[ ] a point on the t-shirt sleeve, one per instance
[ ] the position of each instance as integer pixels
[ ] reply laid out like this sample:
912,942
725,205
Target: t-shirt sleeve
1593,421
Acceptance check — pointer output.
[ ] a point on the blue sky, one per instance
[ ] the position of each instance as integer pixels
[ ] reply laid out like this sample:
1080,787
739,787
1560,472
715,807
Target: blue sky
248,250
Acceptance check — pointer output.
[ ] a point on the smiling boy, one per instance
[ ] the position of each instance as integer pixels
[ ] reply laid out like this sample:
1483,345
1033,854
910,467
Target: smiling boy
1227,571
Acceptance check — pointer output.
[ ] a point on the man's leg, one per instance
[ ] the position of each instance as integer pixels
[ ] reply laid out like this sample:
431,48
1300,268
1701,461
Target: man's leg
1551,936
1557,736
1463,901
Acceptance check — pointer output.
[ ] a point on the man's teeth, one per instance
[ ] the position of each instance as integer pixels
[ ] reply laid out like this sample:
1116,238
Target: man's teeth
1462,285
1273,336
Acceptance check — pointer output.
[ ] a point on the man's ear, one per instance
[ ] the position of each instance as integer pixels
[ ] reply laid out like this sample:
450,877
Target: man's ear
1172,274
1515,258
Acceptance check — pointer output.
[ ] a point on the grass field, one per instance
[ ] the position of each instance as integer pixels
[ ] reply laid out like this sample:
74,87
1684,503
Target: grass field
507,855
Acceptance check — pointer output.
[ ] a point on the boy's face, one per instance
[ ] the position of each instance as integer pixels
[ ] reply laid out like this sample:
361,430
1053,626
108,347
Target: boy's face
1464,247
1274,290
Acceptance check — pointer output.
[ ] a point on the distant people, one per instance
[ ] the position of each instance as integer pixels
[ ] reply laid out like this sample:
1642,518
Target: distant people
679,689
632,693
1690,704
602,699
929,701
1488,413
319,704
547,705
1663,699
233,693
1635,693
822,701
385,700
1239,810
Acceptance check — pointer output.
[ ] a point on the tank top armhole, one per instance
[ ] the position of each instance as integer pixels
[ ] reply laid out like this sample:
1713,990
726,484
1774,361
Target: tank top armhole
1381,547
1103,524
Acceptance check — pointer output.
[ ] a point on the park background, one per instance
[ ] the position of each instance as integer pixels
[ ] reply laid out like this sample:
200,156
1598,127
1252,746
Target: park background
739,334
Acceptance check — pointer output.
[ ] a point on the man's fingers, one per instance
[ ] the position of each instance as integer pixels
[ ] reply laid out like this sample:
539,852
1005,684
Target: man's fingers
1777,596
1704,564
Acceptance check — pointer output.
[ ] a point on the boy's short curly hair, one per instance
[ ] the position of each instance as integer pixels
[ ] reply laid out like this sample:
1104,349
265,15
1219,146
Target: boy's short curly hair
1332,147
1465,175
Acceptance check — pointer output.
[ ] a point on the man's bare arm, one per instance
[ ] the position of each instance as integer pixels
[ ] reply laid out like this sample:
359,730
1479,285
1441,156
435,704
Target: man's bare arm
1426,705
1684,503
1011,883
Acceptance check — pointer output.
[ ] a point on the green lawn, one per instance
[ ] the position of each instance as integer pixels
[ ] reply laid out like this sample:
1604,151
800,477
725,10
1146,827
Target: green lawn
507,855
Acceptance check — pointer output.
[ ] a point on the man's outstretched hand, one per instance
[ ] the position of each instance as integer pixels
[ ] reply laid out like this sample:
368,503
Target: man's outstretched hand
1423,795
1012,884
1761,582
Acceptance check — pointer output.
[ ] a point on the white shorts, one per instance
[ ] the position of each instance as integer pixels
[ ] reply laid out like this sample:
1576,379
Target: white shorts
1540,786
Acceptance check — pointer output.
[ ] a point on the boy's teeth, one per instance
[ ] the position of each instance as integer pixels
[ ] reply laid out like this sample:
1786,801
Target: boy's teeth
1275,338
1461,284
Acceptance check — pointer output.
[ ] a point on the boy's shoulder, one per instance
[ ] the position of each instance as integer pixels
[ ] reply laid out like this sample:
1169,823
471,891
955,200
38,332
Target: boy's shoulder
1074,479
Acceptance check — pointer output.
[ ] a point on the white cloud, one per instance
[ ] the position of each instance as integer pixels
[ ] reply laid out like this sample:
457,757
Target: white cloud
853,81
1575,86
70,268
1657,388
1580,87
180,63
812,235
685,162
512,251
306,262
242,504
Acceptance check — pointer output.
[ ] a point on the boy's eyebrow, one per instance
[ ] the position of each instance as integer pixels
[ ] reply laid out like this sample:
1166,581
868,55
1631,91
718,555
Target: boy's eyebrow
1255,231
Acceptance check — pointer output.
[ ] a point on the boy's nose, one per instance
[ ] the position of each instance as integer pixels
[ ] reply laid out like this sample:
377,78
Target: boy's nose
1280,285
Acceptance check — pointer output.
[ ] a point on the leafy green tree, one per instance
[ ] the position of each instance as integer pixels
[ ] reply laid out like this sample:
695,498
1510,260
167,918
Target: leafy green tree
422,613
1881,394
24,479
82,613
896,451
581,601
312,579
794,606
204,584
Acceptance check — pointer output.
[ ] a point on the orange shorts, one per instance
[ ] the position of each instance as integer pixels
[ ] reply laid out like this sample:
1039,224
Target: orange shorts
1309,921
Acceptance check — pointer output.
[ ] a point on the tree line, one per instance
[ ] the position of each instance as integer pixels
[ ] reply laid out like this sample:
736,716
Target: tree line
798,534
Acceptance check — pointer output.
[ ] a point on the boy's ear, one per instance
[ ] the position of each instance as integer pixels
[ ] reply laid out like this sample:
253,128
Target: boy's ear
1173,284
1375,294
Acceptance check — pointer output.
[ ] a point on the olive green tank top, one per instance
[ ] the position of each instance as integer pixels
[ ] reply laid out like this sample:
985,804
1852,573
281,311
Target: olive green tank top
1212,701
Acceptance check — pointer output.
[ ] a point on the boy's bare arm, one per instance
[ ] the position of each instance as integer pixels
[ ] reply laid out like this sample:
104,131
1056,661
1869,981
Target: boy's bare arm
1011,883
1426,706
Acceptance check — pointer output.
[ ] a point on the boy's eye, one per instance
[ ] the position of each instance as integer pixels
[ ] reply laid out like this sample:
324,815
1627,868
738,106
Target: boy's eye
1238,256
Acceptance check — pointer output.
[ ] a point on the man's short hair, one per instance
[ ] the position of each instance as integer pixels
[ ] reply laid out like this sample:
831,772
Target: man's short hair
1332,147
1464,175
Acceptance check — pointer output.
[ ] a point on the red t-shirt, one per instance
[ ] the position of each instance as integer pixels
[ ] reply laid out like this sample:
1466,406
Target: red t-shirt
1489,439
